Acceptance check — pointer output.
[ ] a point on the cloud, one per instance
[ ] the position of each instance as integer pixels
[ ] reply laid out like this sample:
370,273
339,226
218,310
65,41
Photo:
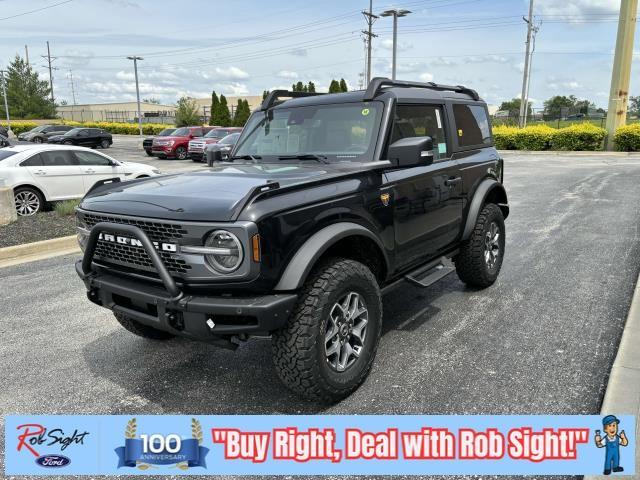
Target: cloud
287,74
231,73
577,9
486,59
426,77
233,88
443,62
387,44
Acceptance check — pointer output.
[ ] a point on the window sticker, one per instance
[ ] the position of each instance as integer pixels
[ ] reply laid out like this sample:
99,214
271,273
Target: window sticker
438,118
459,132
365,112
442,148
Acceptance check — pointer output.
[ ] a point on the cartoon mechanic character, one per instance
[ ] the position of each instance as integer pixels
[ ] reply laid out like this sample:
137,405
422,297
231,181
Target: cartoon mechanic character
612,441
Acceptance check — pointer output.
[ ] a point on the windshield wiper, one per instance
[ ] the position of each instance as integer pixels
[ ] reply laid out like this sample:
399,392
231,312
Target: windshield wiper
245,157
304,156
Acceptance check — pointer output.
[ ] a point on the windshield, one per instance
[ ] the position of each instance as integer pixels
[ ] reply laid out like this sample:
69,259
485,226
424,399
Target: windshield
6,154
229,139
38,129
181,132
216,133
72,132
339,132
166,132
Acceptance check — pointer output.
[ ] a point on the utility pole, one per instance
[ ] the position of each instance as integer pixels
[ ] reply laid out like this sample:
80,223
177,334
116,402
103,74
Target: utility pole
49,60
6,104
533,49
395,13
73,89
369,35
525,77
26,54
621,74
135,68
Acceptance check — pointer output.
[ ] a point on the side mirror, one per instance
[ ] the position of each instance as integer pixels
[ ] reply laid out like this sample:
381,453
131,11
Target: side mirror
214,155
411,152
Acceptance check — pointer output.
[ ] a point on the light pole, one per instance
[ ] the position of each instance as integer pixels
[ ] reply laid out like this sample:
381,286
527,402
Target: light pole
6,105
135,68
395,13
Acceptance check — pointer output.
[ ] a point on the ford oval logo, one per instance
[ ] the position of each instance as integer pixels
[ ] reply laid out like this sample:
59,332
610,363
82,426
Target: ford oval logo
53,461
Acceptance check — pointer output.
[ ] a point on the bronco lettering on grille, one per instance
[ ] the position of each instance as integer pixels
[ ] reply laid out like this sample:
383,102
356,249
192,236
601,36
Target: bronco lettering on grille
134,242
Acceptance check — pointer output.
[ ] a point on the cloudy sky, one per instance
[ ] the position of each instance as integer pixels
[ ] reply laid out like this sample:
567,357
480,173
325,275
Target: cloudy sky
246,46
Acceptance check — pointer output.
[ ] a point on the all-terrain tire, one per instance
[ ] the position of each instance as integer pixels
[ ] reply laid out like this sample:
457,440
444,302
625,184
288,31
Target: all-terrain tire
141,330
472,266
298,349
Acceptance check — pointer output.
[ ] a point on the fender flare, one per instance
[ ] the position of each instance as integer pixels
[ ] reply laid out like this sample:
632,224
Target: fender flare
305,258
479,197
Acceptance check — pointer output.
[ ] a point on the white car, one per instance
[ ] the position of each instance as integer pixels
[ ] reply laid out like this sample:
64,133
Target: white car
45,173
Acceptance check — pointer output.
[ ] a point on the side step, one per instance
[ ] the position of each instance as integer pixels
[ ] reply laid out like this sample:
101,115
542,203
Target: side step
432,272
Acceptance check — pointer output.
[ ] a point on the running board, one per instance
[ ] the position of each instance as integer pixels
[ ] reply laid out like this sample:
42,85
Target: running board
431,273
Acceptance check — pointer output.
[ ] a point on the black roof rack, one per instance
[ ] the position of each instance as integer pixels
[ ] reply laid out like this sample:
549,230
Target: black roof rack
272,98
378,82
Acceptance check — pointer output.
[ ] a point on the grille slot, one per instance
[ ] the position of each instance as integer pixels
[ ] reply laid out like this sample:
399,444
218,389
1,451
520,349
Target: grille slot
133,255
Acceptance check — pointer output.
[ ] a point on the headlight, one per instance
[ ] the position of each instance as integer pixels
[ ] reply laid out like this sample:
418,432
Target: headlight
82,233
228,251
170,143
156,171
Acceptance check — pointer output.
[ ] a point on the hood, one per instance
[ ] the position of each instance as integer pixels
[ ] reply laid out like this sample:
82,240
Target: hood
216,194
174,138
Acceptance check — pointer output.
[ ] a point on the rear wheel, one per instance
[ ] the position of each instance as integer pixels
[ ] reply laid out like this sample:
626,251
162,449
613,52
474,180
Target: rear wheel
149,153
37,140
480,259
140,329
67,142
329,343
29,201
181,153
105,144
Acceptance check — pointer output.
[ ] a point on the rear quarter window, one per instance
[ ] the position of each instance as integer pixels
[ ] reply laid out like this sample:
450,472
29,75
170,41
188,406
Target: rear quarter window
472,125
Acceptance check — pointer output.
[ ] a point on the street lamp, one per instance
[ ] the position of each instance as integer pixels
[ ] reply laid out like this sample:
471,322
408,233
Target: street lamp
395,13
6,106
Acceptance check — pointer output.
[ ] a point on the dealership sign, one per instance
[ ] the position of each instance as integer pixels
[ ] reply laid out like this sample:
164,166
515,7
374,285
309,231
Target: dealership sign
323,444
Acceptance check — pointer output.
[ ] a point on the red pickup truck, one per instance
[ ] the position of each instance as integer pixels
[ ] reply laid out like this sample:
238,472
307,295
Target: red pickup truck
177,144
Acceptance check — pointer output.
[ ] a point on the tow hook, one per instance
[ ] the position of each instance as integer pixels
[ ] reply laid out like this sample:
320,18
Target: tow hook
175,319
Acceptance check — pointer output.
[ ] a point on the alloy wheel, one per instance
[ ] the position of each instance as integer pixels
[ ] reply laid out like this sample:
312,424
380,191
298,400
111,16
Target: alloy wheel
27,203
346,331
492,245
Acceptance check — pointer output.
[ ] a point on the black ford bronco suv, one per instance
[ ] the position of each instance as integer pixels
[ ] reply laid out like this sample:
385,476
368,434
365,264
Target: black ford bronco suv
326,202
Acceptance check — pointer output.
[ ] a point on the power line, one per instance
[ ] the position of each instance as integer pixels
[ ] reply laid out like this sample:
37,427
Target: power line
36,10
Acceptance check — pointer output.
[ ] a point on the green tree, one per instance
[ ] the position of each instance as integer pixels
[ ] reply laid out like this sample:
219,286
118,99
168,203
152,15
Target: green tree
187,112
634,105
343,85
334,87
555,105
27,95
311,87
264,94
151,100
224,116
513,107
215,101
241,115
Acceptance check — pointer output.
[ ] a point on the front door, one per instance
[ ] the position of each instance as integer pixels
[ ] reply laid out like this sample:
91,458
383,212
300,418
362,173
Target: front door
59,175
427,200
95,167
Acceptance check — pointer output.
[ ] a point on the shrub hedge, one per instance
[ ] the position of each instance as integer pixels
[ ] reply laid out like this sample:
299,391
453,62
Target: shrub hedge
584,136
627,138
113,127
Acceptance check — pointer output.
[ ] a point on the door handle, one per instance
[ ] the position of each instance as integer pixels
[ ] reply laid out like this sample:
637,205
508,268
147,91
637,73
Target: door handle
89,170
40,172
450,182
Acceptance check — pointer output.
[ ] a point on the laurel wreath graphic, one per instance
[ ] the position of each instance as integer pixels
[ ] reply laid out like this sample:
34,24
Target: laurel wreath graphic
130,432
196,430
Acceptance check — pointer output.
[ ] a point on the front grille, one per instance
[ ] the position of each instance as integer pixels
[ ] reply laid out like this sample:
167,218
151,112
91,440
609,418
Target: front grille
133,255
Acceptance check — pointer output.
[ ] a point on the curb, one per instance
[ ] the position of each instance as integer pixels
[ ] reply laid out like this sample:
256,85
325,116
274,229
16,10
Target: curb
30,252
573,153
623,390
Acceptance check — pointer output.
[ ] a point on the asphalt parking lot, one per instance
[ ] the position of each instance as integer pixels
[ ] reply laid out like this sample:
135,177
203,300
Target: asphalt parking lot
540,341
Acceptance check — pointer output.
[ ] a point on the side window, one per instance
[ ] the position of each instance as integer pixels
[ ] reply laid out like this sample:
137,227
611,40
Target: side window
421,121
58,158
90,158
197,132
472,125
34,161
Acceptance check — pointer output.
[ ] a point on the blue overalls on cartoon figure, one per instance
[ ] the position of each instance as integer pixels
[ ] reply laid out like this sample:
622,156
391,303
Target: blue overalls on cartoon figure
612,454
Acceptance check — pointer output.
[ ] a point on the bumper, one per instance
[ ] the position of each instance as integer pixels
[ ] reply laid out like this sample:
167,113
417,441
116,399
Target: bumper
205,318
196,155
188,316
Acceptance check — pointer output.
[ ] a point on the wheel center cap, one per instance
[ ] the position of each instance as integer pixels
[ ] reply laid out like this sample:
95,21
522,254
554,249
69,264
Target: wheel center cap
344,330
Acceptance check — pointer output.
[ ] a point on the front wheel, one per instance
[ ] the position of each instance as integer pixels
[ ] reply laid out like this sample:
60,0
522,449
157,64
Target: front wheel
67,142
181,153
37,140
326,349
480,259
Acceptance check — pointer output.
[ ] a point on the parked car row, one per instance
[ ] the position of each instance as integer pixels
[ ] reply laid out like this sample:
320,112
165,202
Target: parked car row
68,135
40,174
186,142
